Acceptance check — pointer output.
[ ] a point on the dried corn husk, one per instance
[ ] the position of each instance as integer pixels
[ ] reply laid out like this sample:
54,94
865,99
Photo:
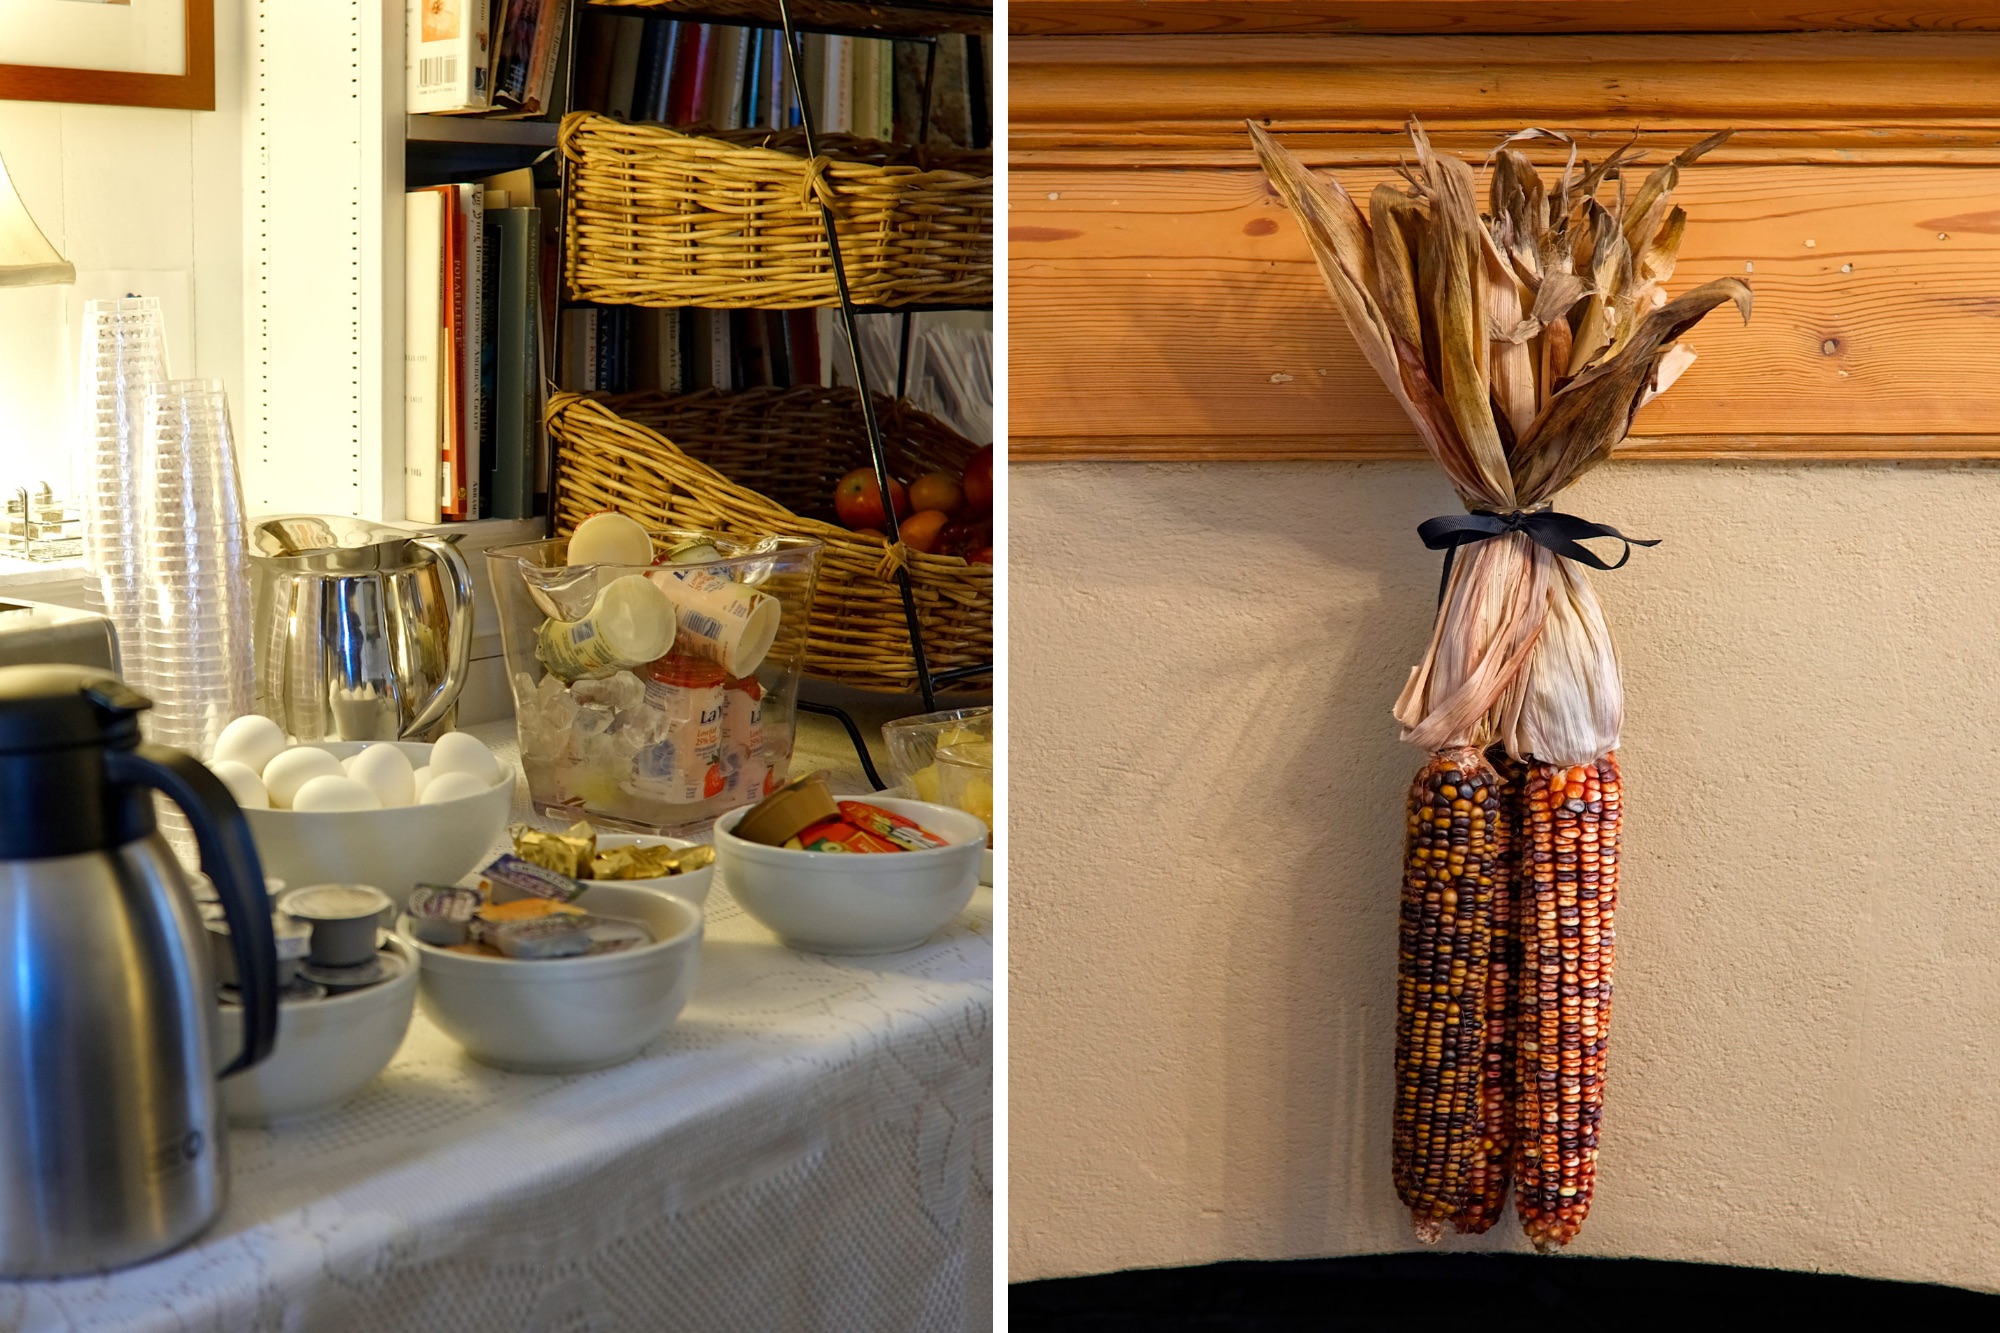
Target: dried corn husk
1522,343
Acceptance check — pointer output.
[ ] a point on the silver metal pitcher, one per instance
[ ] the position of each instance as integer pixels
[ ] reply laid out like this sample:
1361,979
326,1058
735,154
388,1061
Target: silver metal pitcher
363,632
111,1146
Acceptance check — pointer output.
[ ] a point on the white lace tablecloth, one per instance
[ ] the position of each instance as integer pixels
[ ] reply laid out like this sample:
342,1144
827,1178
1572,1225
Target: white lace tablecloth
808,1148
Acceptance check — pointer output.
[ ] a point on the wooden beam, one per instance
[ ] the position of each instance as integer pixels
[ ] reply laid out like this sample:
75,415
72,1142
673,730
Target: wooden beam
1184,305
1088,17
1405,448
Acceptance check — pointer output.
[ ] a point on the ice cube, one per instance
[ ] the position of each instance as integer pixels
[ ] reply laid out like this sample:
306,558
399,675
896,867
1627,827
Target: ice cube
591,721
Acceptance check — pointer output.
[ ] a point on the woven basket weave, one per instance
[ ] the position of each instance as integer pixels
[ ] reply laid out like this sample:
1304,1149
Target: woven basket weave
732,220
765,461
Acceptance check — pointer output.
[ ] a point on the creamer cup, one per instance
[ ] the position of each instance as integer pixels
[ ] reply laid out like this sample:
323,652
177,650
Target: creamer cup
720,619
630,624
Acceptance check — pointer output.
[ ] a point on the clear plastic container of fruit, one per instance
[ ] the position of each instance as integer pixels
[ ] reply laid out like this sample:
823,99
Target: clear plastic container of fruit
665,744
946,758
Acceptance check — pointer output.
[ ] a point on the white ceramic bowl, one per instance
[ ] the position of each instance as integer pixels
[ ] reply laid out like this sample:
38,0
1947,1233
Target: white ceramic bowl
327,1050
848,903
395,849
567,1014
692,886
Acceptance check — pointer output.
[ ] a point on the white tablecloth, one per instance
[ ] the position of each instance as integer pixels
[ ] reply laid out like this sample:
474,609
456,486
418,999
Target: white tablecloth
808,1148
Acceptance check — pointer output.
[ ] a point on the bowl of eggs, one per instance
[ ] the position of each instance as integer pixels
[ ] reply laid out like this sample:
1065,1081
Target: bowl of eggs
393,814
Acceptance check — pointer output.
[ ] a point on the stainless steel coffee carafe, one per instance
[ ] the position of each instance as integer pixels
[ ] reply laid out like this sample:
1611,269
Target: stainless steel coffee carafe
111,1147
363,632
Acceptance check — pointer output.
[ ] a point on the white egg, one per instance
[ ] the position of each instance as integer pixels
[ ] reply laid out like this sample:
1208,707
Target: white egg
386,771
421,779
252,740
293,769
451,787
456,752
334,792
243,783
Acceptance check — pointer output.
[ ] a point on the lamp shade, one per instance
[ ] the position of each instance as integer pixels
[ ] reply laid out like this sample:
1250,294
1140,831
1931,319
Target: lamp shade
26,257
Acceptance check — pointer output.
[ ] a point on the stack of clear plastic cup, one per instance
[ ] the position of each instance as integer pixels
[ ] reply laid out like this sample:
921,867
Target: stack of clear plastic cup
124,352
194,574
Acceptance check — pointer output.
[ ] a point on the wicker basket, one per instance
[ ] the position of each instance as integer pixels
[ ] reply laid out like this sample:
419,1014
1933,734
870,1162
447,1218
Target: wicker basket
766,460
661,218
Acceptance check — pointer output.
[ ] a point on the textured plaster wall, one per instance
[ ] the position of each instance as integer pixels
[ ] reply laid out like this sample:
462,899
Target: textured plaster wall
1207,793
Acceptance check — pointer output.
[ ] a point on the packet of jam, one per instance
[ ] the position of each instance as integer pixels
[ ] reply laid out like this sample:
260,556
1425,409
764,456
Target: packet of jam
526,909
510,878
559,936
441,914
837,835
905,833
566,853
649,862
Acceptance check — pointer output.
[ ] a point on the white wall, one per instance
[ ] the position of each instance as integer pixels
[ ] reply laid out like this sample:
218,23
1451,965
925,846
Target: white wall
1207,801
135,197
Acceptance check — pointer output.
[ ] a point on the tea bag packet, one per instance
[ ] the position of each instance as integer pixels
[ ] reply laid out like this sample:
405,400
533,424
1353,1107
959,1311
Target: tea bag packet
567,853
442,915
556,936
511,877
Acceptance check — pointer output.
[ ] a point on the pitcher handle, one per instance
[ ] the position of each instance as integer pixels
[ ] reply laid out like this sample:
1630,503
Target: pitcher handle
458,651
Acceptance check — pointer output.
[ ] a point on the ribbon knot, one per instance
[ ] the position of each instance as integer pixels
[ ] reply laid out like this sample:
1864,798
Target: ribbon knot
1561,534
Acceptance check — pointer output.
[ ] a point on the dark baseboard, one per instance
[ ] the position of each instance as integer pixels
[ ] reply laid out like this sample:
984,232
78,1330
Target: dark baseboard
1480,1293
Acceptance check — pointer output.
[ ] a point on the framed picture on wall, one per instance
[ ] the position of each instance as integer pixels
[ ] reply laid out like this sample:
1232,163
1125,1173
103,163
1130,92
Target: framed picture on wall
117,52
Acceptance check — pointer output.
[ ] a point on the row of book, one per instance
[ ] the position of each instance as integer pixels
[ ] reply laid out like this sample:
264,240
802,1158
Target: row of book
620,349
477,335
503,56
729,78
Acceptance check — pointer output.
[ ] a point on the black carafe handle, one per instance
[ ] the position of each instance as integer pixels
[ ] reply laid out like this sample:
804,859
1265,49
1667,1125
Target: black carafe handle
229,859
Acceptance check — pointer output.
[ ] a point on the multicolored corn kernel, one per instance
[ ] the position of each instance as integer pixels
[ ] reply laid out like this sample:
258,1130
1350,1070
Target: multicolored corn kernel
1442,981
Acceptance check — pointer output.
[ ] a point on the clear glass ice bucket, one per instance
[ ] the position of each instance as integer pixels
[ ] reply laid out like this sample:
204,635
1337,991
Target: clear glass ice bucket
662,746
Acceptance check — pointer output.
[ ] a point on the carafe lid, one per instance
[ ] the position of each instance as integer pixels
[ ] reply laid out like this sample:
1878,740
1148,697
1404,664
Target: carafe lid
64,707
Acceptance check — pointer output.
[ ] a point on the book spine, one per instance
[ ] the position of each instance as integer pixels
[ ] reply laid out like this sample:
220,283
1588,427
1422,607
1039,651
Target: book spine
646,82
627,38
451,282
725,86
489,351
802,342
471,338
516,51
658,108
423,258
691,74
548,48
721,361
839,111
593,71
516,394
673,351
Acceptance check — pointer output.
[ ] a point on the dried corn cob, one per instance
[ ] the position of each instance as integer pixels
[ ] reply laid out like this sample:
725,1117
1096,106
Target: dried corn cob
1569,891
1442,979
1492,1162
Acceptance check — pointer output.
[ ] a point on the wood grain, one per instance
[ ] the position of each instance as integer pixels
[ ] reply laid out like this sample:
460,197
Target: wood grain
192,90
1183,306
1182,99
1083,17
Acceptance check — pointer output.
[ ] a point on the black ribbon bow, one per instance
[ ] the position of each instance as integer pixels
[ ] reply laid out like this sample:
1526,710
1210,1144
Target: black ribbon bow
1563,534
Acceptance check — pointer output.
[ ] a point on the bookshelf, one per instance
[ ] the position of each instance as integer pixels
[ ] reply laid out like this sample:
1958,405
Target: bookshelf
333,150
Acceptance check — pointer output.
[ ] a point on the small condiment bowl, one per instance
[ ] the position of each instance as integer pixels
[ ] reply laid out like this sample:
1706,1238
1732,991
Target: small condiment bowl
327,1050
394,849
563,1015
857,903
692,885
